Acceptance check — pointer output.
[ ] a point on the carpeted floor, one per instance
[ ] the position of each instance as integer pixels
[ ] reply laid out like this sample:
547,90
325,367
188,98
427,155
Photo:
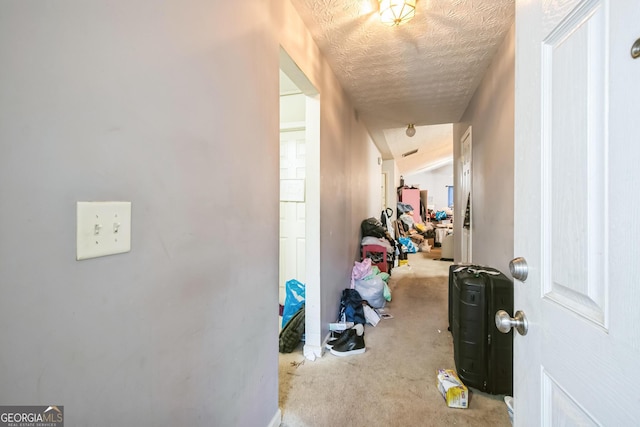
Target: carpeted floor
394,382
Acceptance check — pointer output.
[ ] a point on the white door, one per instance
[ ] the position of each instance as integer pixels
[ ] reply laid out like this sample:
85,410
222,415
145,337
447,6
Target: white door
576,213
292,208
466,197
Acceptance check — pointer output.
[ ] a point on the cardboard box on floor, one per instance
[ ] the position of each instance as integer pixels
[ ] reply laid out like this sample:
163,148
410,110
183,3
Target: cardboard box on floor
454,392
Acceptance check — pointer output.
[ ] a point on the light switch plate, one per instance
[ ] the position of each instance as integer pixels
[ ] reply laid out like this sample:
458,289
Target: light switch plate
103,228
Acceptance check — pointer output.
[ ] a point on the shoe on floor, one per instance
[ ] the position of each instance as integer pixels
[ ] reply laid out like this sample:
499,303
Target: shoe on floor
354,344
344,336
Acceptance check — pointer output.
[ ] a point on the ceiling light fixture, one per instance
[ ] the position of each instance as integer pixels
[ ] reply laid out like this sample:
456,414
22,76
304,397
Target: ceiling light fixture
411,130
397,12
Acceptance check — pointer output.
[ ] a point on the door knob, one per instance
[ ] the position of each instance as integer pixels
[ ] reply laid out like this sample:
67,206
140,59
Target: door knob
504,322
519,269
635,49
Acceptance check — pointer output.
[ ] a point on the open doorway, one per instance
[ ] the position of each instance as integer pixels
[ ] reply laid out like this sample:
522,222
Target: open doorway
300,194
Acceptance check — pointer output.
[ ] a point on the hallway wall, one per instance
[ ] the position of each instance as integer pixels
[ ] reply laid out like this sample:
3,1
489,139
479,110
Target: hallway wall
491,115
150,103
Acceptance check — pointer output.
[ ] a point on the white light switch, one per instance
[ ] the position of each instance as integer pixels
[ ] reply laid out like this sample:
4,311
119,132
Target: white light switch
103,228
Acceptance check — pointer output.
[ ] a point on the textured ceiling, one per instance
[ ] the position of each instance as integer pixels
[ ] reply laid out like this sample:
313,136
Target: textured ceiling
422,72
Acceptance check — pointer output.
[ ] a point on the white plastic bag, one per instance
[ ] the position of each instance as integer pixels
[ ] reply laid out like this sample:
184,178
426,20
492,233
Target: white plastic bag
360,270
372,290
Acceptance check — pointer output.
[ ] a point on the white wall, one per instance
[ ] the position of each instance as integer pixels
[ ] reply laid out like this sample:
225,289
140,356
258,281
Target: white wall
435,181
491,115
174,107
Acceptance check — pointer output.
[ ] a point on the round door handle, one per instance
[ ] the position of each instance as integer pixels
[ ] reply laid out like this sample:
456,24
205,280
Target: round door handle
635,49
519,268
504,322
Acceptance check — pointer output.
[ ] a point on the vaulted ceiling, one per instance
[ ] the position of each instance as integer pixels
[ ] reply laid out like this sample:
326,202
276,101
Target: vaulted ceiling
423,72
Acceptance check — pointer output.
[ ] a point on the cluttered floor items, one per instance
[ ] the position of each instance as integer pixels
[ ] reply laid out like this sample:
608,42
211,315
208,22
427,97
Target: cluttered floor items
395,380
384,246
363,303
358,306
380,253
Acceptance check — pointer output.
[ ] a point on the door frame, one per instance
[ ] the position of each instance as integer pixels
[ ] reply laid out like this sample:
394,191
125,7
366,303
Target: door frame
466,187
313,324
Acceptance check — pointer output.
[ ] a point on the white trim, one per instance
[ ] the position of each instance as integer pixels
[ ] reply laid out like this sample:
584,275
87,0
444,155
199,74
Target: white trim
311,125
292,126
313,352
385,181
464,190
276,420
313,294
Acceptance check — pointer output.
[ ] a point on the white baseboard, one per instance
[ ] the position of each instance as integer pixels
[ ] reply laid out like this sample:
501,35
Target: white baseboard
312,352
276,420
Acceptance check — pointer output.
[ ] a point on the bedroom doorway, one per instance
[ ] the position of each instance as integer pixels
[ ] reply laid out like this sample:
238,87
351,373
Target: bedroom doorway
300,195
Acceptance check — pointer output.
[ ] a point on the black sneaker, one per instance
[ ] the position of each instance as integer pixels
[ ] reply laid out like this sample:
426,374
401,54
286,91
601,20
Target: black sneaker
344,336
335,335
353,345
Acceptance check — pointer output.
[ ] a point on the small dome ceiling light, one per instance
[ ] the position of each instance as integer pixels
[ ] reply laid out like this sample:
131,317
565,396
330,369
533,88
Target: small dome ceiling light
411,130
397,12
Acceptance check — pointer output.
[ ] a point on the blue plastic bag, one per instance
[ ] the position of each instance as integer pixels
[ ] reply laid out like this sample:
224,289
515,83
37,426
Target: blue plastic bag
440,215
408,244
293,300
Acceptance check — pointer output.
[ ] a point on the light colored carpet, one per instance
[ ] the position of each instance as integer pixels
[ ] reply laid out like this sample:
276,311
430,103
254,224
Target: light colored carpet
394,382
